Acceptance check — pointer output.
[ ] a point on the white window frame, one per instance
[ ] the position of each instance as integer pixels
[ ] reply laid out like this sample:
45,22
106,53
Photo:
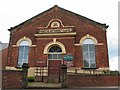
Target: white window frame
23,59
89,42
55,53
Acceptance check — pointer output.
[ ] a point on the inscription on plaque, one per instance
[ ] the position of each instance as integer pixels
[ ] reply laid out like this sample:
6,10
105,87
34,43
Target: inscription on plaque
55,31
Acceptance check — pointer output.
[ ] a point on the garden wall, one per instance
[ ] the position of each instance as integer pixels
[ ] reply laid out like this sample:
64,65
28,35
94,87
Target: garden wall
92,80
11,79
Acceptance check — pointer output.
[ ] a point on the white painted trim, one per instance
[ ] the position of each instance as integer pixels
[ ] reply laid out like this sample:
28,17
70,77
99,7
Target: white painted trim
53,21
77,44
18,46
100,44
81,45
86,37
53,43
56,34
57,38
24,38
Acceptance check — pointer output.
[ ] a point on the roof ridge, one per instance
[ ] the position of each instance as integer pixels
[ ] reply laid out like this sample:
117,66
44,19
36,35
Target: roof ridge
56,7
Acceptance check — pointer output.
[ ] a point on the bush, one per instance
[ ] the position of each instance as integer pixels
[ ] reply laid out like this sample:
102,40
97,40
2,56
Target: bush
31,79
114,72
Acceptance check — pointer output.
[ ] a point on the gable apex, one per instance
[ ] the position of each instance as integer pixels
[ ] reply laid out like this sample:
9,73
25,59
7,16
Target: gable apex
56,8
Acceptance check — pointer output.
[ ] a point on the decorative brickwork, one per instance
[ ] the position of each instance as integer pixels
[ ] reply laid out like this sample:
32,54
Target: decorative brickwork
60,27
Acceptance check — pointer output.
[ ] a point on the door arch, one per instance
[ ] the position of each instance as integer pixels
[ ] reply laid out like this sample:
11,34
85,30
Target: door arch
55,53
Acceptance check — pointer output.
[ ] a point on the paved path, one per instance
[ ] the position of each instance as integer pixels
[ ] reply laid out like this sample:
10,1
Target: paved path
57,86
43,85
80,89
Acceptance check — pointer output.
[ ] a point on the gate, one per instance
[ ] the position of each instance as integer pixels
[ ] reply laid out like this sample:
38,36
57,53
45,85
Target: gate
40,73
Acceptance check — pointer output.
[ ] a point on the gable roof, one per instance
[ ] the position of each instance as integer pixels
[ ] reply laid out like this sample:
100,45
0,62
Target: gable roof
55,7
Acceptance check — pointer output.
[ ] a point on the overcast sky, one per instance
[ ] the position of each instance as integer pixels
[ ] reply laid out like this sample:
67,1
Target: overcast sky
14,12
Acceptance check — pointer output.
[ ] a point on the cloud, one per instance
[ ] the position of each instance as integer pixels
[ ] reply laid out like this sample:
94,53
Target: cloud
114,63
113,52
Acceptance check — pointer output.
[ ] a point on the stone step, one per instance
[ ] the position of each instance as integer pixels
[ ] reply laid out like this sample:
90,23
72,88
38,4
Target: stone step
37,85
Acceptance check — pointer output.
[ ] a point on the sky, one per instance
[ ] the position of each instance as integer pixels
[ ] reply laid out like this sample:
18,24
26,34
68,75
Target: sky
14,12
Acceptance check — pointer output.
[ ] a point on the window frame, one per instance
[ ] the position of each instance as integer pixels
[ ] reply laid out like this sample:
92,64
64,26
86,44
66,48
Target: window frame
25,47
55,53
88,51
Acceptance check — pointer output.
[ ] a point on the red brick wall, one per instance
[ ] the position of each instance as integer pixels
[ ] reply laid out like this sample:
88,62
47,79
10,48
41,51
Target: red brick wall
78,62
4,57
92,81
32,56
11,79
82,27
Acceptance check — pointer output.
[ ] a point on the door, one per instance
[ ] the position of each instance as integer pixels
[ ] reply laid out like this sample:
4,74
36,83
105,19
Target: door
54,63
54,67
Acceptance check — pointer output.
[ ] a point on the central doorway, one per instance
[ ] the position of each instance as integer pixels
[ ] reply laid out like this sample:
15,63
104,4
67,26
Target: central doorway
54,63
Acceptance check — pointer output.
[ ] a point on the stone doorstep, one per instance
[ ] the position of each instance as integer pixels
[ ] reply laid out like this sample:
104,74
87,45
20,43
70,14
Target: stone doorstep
44,85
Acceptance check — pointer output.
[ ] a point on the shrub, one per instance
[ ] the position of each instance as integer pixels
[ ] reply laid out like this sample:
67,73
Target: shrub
31,79
114,72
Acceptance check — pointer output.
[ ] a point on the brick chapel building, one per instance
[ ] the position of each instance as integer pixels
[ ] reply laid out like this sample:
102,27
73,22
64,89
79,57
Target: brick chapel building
58,36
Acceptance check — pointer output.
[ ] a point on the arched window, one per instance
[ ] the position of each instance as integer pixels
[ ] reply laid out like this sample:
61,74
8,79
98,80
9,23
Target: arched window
89,53
23,53
54,53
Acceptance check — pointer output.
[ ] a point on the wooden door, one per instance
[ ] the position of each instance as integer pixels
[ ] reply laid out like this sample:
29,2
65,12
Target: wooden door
54,69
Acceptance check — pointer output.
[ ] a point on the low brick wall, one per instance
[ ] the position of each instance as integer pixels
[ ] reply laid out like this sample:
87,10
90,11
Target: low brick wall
92,80
11,79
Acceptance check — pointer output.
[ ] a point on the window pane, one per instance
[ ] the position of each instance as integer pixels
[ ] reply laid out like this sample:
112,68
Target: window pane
21,48
20,56
50,56
19,63
86,63
92,55
25,61
89,53
55,49
54,56
85,47
91,47
92,64
59,50
51,50
85,55
24,43
25,56
88,41
23,53
59,56
55,53
26,49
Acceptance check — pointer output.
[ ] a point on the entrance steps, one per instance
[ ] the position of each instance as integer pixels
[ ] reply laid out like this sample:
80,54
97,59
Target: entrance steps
37,85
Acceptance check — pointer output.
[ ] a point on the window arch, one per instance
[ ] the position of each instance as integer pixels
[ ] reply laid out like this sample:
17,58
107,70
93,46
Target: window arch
23,53
24,39
89,53
55,53
88,37
54,43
